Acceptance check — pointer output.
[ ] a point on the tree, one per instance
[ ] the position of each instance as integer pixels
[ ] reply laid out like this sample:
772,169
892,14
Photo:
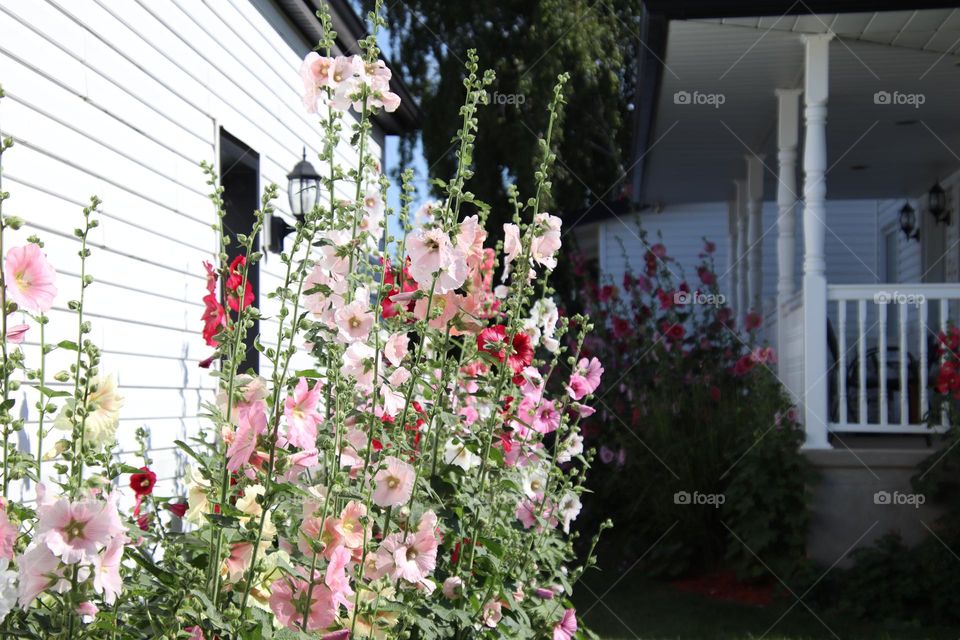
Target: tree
527,43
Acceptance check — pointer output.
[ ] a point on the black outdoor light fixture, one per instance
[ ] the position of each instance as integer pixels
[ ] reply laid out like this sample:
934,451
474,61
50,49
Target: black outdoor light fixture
302,189
908,223
937,203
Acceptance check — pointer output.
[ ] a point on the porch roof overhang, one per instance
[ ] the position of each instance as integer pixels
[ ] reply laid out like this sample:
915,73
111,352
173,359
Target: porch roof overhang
743,51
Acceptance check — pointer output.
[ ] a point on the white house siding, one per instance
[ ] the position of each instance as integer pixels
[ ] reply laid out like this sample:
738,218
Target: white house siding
123,99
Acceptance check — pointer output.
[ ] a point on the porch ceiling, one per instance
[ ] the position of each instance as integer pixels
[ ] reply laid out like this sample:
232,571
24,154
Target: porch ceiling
875,150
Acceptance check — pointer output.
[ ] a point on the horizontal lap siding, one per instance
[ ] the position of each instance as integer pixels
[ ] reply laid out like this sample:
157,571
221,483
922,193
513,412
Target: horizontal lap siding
123,100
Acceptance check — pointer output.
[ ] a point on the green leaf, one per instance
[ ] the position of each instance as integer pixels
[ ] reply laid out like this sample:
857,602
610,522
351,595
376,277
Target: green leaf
190,452
70,346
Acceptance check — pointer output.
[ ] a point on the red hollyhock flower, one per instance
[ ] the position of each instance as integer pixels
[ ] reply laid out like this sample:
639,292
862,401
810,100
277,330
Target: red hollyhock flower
214,317
752,321
234,281
493,339
621,328
404,284
673,331
142,485
178,509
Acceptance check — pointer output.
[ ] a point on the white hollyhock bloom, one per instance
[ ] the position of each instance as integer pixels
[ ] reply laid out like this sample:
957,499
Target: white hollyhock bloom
457,453
569,510
100,425
534,481
8,588
572,446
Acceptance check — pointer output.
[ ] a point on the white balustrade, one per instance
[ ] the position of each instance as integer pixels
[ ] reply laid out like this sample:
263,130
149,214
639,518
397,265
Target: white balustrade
873,394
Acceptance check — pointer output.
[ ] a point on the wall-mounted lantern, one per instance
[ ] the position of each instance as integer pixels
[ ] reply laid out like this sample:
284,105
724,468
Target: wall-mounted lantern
908,222
302,188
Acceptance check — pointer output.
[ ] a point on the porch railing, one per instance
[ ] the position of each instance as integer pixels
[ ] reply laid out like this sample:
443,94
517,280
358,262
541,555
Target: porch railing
883,341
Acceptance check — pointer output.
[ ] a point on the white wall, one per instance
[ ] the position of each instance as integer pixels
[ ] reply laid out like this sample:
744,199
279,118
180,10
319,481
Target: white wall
123,100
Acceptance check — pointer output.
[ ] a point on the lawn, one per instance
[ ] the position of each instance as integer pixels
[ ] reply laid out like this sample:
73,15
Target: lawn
638,609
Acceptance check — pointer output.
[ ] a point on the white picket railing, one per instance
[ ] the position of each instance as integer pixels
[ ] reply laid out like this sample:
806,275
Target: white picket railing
884,337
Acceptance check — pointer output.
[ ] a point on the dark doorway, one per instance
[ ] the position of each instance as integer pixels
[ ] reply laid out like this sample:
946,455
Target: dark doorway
240,178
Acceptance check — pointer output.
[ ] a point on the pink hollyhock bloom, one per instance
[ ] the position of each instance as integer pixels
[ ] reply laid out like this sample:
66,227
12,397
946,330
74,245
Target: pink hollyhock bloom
336,577
75,531
452,588
396,348
492,614
546,243
315,72
527,512
354,320
17,333
585,378
753,321
300,462
251,423
39,571
106,571
287,601
300,410
196,633
431,252
237,563
8,535
511,247
567,627
87,611
29,278
394,483
350,527
544,417
358,364
342,634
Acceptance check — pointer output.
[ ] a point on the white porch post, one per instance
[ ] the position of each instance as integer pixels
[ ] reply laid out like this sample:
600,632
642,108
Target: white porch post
732,255
754,201
788,113
743,244
814,232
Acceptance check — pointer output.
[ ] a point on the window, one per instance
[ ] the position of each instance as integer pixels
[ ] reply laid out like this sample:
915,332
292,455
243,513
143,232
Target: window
240,178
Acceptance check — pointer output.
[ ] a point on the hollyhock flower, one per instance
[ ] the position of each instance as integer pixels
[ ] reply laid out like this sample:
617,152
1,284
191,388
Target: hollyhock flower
100,425
607,454
29,278
457,454
178,509
546,242
528,508
350,527
534,481
373,209
39,571
396,348
337,579
492,614
8,534
106,571
300,462
17,333
354,320
753,321
300,410
251,423
8,588
236,564
394,483
315,71
569,509
431,252
197,501
214,317
707,277
511,247
570,448
452,588
234,281
358,364
142,485
744,365
492,340
672,331
75,531
567,627
87,611
196,633
585,379
288,603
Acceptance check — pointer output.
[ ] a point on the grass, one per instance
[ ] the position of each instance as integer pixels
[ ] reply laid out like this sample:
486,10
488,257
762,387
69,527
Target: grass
638,609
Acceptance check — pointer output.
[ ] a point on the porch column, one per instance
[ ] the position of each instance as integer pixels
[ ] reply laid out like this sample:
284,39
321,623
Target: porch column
755,233
743,244
814,232
787,135
733,235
